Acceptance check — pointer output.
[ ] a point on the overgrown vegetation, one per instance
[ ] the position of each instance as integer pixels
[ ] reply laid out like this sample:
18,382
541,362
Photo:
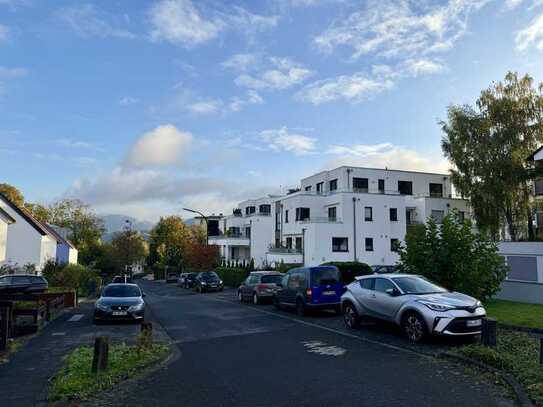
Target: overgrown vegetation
515,313
76,381
350,269
232,277
72,276
455,256
518,354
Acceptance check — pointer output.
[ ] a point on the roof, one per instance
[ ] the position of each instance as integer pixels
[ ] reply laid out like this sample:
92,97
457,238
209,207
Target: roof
377,169
531,156
36,224
264,272
6,216
57,235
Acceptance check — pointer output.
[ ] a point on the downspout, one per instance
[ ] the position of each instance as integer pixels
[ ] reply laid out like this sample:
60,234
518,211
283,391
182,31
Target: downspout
354,228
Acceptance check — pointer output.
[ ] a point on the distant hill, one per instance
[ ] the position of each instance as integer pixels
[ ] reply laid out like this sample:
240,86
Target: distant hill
117,223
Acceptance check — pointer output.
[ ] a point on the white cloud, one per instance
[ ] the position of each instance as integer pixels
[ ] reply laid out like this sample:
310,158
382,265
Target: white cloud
416,67
128,100
163,146
242,62
531,35
250,23
400,28
205,107
252,98
282,140
386,155
87,21
75,144
512,4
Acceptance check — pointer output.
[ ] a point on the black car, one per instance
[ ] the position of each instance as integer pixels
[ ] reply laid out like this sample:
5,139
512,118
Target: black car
23,283
207,281
171,277
120,302
188,280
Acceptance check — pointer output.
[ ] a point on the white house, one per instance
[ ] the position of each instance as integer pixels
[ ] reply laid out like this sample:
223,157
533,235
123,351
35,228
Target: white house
28,240
5,221
345,214
66,252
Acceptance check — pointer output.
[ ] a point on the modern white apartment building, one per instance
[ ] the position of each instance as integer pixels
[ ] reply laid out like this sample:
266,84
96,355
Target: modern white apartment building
345,214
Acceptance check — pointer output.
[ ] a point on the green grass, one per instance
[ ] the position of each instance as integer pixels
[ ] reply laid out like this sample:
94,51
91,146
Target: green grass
518,354
75,381
515,313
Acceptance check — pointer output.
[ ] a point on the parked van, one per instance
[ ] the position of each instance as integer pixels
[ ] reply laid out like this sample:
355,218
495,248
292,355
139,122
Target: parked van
307,288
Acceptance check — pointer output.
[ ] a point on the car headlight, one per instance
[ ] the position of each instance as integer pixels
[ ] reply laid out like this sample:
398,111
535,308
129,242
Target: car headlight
434,306
220,281
102,307
478,304
203,283
137,307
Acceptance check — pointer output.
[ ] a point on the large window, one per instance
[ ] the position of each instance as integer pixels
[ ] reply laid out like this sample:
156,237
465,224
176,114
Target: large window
381,186
340,244
394,245
320,187
360,184
299,244
436,190
250,210
368,213
405,187
265,209
332,185
332,214
438,216
302,214
369,244
382,285
308,188
393,212
289,243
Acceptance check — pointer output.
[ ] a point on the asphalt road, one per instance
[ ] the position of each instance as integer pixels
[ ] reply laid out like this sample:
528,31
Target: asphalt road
235,354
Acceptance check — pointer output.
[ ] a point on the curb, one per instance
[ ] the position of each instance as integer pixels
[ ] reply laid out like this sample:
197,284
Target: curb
521,396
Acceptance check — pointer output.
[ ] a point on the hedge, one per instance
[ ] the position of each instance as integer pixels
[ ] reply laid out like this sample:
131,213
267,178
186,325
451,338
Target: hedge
350,269
232,277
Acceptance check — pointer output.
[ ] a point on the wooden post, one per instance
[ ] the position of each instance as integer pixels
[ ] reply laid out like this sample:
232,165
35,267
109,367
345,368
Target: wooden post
489,332
4,327
541,351
101,352
145,339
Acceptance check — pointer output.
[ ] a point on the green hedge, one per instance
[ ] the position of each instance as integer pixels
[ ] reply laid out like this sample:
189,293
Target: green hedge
232,277
350,269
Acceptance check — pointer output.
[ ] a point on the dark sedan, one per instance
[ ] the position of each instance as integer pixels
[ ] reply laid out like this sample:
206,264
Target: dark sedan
207,281
23,283
120,302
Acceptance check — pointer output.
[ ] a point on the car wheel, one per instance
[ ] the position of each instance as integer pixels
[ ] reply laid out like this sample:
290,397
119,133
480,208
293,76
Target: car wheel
256,301
300,307
240,296
414,327
350,316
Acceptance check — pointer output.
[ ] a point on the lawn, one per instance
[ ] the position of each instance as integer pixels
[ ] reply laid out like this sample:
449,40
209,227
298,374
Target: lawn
515,313
75,381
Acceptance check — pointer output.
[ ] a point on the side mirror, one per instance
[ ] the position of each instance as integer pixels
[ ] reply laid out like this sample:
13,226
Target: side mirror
143,295
393,292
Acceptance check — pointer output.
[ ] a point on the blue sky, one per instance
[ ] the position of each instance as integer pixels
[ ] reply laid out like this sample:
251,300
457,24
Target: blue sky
143,107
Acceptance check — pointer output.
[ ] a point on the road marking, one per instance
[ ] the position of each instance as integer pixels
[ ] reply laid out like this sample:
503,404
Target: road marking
322,349
76,317
58,333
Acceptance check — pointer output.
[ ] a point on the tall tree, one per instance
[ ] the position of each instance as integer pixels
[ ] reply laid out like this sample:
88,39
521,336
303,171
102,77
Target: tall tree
129,246
488,145
13,194
39,211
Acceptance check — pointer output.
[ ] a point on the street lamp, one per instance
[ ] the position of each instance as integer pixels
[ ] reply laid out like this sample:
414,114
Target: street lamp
205,220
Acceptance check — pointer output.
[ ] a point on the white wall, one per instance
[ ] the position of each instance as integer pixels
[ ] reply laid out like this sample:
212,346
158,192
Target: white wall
66,254
3,239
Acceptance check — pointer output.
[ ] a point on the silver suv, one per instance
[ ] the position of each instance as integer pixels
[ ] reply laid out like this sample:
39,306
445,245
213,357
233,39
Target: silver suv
417,305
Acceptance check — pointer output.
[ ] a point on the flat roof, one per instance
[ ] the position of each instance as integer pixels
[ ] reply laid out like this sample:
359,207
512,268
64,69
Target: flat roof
377,169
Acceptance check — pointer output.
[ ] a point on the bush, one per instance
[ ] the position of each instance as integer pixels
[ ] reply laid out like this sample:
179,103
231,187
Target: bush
232,277
284,267
350,269
72,276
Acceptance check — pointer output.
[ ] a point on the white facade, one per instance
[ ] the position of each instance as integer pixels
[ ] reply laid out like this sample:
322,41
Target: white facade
5,221
28,242
66,251
345,214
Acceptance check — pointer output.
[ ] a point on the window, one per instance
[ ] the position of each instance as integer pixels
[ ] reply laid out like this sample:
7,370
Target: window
436,190
393,214
289,243
308,188
320,187
438,216
248,232
360,184
340,244
381,186
394,245
332,212
382,285
461,216
266,209
369,244
250,210
405,187
277,222
367,283
296,280
299,244
332,185
368,213
286,216
302,214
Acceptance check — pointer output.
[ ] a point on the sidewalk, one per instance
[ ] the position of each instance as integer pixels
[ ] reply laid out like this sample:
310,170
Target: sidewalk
24,379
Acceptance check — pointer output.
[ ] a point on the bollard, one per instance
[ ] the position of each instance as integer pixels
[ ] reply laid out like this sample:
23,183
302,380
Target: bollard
145,339
101,353
541,352
489,332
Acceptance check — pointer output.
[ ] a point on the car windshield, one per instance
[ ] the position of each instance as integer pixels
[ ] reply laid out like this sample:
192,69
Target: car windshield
324,275
121,291
417,285
273,279
210,276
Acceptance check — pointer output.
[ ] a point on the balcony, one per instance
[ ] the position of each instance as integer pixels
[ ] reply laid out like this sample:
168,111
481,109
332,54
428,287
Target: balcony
230,239
320,219
284,250
258,214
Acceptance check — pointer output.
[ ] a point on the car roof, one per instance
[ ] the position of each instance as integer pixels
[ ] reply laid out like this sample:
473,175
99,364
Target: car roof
264,272
391,275
115,284
21,275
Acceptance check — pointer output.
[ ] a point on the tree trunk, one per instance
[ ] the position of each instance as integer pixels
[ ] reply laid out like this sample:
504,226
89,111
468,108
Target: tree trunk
531,234
510,225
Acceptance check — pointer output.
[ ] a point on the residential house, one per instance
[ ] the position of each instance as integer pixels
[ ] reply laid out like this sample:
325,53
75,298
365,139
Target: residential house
66,251
5,221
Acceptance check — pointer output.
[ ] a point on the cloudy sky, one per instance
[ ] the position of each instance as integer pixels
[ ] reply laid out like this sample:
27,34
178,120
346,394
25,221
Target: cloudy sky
142,107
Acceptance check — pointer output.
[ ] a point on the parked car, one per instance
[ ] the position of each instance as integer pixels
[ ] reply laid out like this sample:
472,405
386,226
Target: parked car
259,286
385,269
188,282
120,302
181,279
171,277
207,281
307,288
414,303
22,283
124,279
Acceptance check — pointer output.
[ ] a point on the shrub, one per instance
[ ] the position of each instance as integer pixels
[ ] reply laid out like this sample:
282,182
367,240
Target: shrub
350,269
232,277
284,267
72,276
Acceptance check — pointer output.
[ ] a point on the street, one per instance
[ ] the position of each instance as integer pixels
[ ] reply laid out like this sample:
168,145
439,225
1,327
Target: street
235,354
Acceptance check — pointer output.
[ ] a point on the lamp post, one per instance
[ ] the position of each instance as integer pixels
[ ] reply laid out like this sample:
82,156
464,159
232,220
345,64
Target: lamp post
205,220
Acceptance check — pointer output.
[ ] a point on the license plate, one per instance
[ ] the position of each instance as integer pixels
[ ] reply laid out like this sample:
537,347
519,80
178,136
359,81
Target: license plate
328,293
119,313
474,322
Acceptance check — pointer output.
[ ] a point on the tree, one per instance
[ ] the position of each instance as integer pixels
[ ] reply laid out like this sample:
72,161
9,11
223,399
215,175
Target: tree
200,257
12,194
454,256
129,246
169,241
38,211
488,146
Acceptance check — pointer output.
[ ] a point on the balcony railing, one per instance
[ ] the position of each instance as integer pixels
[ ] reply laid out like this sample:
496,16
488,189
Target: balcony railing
230,236
258,214
320,219
284,250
